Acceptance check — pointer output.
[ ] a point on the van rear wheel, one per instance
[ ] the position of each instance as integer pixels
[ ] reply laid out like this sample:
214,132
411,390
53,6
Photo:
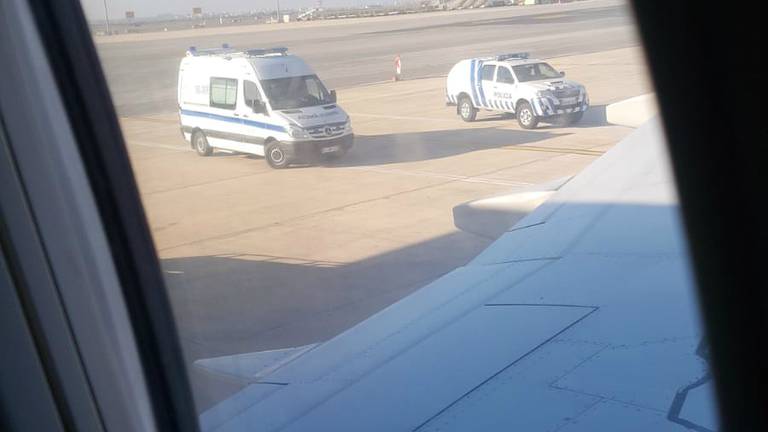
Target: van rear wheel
200,142
275,155
467,112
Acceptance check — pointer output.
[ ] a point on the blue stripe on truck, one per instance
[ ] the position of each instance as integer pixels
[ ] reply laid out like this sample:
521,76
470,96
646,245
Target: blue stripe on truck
472,80
480,84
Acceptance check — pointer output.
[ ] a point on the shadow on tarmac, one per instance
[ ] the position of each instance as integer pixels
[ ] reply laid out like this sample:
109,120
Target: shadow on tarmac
593,117
419,146
238,303
230,304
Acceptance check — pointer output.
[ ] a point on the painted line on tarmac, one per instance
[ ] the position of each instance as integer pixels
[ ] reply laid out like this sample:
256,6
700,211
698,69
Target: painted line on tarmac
178,148
394,117
452,177
152,119
561,150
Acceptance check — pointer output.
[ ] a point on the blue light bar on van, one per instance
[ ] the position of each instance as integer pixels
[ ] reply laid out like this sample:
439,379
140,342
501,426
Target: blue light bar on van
518,55
265,51
225,49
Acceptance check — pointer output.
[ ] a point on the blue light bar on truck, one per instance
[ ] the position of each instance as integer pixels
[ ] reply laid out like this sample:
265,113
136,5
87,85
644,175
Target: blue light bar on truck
518,55
266,51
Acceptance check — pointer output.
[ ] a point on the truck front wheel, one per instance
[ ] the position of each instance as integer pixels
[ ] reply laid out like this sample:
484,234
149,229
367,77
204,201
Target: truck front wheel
525,116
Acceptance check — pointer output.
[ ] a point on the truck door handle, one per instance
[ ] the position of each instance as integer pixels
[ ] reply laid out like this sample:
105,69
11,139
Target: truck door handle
237,115
245,115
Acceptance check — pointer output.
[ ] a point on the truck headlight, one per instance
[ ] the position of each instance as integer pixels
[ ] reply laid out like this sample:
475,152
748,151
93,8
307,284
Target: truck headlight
545,94
348,124
297,132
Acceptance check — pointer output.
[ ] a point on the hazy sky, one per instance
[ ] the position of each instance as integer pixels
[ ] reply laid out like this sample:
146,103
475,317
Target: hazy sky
94,9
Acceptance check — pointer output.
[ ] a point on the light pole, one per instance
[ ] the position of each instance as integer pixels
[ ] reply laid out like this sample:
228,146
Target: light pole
106,15
278,11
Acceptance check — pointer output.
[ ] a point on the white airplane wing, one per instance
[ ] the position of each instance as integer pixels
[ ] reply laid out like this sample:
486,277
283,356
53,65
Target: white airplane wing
582,317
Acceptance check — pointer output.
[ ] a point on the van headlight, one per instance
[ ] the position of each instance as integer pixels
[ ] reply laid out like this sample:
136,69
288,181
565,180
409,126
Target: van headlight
297,132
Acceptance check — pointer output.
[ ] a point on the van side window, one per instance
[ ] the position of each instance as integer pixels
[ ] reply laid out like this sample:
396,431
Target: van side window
505,76
487,73
223,93
251,93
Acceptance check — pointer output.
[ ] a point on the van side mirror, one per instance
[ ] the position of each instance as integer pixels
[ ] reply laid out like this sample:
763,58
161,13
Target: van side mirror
562,73
333,96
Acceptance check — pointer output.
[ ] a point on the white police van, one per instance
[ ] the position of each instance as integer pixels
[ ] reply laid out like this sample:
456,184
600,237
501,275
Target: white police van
260,101
531,89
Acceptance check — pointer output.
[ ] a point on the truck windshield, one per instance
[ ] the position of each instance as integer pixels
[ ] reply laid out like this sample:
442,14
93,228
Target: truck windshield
535,71
295,92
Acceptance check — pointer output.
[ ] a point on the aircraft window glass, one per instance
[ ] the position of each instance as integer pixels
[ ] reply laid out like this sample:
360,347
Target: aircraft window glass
504,76
223,93
380,226
488,71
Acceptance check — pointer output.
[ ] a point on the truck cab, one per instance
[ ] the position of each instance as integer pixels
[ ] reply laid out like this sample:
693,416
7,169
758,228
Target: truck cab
264,102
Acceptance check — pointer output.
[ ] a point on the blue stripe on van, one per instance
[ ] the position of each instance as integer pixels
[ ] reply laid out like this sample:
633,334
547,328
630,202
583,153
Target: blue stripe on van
219,117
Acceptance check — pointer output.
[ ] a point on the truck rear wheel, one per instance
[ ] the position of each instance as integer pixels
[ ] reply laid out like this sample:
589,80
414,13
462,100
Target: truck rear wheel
275,155
525,116
467,112
200,142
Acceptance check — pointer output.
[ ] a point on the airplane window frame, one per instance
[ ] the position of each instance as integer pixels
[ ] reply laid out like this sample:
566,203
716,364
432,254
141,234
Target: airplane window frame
733,318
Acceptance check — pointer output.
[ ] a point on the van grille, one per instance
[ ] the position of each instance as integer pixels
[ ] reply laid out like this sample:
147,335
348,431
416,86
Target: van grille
326,131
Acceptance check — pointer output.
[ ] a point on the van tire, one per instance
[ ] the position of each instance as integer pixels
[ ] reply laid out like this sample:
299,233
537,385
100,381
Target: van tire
466,110
275,155
526,118
200,143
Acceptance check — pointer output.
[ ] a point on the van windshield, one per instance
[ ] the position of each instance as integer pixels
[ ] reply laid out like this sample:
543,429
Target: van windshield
295,92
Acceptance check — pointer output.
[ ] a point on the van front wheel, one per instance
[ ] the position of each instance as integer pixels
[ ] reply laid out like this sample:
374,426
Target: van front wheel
275,155
200,142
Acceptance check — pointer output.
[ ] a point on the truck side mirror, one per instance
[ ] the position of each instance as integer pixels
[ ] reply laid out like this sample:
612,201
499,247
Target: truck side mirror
562,73
333,96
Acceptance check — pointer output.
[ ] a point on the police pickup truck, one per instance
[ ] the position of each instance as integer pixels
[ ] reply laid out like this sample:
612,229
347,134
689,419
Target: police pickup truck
530,89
